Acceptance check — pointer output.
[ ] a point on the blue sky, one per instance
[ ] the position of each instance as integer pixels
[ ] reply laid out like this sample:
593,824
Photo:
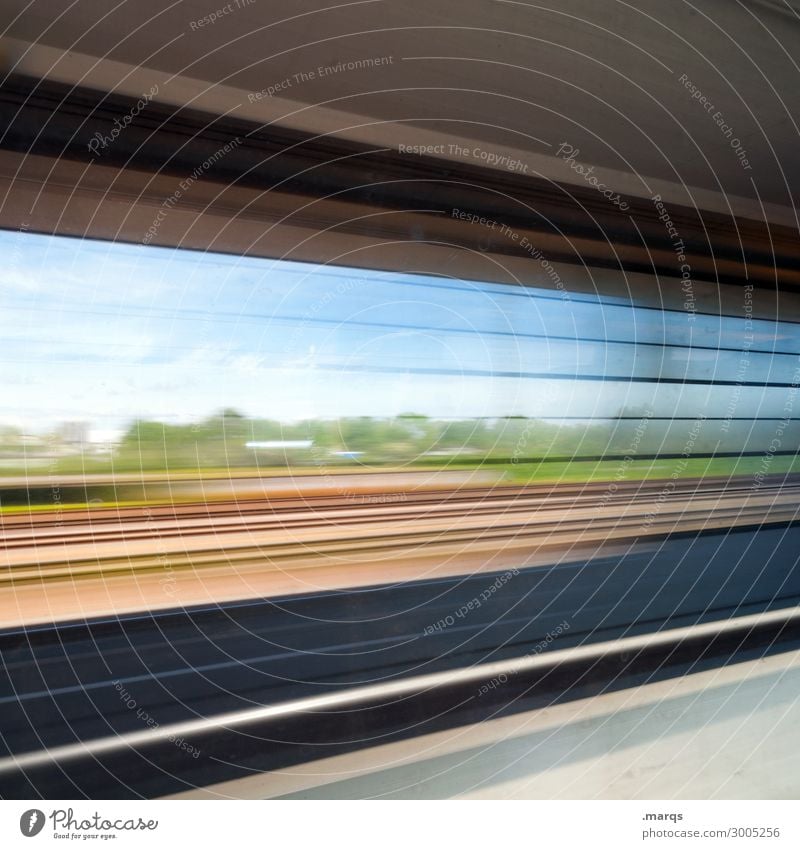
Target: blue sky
105,332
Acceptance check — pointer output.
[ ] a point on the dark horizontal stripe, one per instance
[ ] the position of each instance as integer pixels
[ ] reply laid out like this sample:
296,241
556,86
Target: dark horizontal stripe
519,290
591,419
521,375
598,458
57,120
543,336
578,297
533,375
236,318
474,287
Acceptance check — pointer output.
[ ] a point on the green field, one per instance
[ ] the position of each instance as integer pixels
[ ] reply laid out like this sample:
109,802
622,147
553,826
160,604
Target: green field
155,462
73,494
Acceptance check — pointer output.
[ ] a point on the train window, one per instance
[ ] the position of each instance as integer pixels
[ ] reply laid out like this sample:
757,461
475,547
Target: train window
126,355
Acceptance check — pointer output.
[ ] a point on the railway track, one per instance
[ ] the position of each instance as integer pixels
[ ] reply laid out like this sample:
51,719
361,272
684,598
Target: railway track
282,514
192,553
545,495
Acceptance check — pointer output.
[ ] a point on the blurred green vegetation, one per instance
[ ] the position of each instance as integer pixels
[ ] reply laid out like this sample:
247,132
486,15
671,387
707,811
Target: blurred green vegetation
519,449
588,471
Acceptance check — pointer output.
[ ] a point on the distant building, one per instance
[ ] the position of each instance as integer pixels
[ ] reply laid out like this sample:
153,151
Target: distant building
74,434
